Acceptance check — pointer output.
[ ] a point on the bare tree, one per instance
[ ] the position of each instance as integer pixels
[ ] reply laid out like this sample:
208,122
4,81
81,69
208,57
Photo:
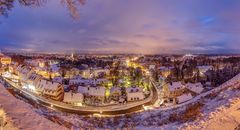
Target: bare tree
7,5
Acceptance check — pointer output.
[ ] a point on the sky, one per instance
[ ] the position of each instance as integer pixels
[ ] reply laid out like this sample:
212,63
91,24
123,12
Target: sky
125,26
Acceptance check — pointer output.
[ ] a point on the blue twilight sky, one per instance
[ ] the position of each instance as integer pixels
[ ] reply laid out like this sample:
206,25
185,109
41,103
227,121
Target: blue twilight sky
126,26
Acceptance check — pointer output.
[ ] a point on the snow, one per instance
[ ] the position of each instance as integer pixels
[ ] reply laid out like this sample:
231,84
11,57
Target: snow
134,93
184,98
48,85
115,90
195,87
204,68
73,97
92,90
176,86
23,115
221,112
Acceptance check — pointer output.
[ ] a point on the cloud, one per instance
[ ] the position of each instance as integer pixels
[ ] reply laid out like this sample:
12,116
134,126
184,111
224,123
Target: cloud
135,26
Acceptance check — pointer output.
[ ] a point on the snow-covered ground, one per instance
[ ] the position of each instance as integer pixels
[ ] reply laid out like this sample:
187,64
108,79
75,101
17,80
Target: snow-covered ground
22,115
220,113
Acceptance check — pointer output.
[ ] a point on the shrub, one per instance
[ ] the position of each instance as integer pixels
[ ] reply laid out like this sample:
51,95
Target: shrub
192,112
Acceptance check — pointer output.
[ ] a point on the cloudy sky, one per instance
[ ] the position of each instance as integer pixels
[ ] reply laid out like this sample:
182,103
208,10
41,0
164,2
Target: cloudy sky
126,26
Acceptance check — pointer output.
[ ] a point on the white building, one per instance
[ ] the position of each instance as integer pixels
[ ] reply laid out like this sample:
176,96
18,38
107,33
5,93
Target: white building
134,93
184,98
175,89
195,87
79,81
152,67
33,79
73,98
90,73
23,72
97,91
203,69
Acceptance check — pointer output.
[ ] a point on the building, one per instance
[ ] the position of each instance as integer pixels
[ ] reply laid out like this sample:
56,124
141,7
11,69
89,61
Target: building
50,89
95,72
33,79
41,63
195,87
203,69
23,72
6,60
58,79
73,98
165,71
134,94
115,91
152,67
86,73
174,89
184,98
95,91
78,80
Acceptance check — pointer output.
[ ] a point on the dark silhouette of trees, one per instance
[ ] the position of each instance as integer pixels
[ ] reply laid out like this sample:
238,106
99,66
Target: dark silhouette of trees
7,5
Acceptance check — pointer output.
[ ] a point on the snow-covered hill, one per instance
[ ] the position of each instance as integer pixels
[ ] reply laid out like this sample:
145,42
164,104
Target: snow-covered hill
220,113
22,115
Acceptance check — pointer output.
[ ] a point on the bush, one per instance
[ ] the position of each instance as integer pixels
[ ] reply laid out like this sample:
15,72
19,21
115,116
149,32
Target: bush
192,112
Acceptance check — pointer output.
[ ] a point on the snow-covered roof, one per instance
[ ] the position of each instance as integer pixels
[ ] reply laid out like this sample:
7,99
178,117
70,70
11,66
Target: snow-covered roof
184,98
195,87
176,86
115,89
58,79
33,76
204,68
55,68
24,70
134,92
93,91
48,85
72,97
81,80
164,68
134,89
152,66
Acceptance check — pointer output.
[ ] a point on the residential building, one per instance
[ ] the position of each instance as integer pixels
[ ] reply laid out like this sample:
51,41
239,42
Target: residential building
50,89
73,98
195,87
183,98
174,89
134,93
95,91
23,72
